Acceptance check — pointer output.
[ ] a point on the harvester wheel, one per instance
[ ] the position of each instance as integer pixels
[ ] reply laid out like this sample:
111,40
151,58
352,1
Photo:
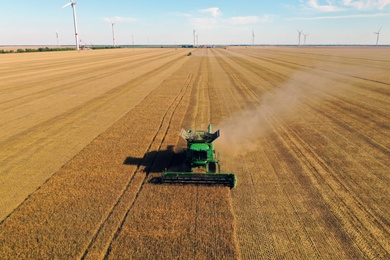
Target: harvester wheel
213,167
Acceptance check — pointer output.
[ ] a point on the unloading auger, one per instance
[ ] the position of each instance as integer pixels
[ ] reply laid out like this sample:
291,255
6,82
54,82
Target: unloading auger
202,161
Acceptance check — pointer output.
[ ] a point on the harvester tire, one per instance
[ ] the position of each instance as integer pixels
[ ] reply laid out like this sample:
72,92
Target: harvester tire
213,167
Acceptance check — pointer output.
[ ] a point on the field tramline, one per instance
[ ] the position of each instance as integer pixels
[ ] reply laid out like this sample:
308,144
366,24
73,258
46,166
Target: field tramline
306,130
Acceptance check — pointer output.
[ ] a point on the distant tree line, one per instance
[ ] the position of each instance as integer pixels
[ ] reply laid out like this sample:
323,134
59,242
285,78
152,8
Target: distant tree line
96,47
105,47
45,49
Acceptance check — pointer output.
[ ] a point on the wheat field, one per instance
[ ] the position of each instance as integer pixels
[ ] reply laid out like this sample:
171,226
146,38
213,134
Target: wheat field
84,135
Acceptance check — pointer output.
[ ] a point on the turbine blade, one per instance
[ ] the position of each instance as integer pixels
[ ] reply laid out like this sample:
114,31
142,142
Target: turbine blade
67,4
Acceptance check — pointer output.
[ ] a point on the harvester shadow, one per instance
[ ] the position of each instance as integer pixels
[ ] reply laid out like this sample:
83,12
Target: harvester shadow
158,161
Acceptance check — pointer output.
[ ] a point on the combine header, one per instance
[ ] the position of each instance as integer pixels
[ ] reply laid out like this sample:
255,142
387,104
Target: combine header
201,160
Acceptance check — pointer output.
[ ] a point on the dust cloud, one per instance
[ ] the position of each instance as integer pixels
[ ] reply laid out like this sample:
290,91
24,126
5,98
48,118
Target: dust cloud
241,132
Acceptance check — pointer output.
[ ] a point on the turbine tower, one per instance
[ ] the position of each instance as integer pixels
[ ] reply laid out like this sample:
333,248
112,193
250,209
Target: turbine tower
193,32
58,39
71,3
304,38
113,33
299,37
377,35
253,38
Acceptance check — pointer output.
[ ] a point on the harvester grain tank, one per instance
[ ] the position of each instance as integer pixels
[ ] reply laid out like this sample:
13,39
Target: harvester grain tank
201,160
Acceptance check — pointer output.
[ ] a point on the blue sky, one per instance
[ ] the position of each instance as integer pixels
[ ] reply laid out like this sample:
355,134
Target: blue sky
36,22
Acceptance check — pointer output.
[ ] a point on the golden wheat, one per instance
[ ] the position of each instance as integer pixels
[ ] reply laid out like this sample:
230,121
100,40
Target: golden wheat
305,130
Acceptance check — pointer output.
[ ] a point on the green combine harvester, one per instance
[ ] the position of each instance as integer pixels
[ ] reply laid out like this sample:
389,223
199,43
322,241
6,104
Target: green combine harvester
201,160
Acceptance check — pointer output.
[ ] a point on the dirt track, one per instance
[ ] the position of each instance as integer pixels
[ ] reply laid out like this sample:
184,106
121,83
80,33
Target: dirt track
305,129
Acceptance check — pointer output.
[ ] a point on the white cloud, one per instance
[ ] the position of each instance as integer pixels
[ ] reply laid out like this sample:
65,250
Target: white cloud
328,7
213,11
367,4
216,21
267,18
340,17
342,5
121,19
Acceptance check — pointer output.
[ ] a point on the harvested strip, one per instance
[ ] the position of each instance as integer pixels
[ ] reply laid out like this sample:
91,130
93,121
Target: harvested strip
90,193
64,213
174,221
39,136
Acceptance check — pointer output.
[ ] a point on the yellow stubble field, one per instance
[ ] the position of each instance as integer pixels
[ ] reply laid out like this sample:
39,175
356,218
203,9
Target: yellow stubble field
84,135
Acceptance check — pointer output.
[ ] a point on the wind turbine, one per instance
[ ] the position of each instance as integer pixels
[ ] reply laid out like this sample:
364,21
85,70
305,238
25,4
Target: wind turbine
71,3
253,38
193,32
113,33
58,39
299,37
304,38
377,35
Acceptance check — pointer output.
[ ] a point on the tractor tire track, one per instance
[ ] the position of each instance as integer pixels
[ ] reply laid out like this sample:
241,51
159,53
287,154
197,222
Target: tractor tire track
122,208
322,92
245,97
306,236
30,140
186,228
351,241
83,109
353,215
314,187
108,142
118,67
361,83
84,64
41,117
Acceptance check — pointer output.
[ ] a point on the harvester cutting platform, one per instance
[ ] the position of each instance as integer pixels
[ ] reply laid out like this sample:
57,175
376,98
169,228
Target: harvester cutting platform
201,160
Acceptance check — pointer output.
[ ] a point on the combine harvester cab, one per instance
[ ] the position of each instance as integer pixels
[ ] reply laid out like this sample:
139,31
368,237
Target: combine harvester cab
202,160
